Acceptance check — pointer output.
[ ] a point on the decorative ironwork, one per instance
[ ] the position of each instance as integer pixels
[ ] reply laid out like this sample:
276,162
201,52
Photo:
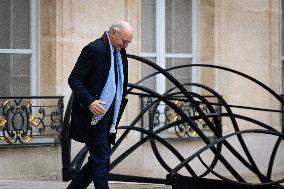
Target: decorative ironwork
191,113
25,118
169,116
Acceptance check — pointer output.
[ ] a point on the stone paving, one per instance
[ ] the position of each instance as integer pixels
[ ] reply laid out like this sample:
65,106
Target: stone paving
18,184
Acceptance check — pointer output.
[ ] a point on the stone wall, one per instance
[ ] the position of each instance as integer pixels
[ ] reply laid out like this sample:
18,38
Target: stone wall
247,39
66,27
31,163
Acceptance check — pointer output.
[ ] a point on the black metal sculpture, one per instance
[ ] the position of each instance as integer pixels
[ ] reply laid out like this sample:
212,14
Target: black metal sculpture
198,110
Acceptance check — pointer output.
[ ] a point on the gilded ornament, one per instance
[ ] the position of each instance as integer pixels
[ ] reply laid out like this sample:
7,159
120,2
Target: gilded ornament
33,119
27,139
28,103
7,103
3,121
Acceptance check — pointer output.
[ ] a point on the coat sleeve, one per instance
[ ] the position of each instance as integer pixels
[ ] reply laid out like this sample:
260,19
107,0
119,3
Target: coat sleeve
79,74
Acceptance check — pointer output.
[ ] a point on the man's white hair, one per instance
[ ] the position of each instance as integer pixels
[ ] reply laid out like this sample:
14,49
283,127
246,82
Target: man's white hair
122,25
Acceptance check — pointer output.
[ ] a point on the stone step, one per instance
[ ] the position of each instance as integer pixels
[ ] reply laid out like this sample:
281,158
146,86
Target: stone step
23,184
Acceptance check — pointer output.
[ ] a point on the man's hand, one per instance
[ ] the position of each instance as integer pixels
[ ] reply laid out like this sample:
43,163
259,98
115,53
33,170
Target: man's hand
97,108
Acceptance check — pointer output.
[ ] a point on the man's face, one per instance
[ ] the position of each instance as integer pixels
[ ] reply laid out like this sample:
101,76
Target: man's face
121,39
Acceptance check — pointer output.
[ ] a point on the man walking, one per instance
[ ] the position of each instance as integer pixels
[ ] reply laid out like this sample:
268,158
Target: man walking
99,82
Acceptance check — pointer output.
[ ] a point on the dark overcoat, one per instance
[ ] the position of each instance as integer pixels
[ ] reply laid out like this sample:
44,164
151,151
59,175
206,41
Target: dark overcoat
87,81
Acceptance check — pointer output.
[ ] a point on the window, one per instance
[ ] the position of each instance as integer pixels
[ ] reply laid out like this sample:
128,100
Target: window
169,35
19,47
35,120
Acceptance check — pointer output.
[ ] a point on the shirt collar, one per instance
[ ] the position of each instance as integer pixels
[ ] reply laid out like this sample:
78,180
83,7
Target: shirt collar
112,49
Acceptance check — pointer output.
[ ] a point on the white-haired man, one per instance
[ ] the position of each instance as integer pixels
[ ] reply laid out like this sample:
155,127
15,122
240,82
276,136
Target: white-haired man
99,82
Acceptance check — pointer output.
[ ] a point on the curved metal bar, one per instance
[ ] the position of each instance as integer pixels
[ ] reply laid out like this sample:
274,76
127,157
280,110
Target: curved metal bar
154,136
135,146
178,155
272,158
217,130
221,140
195,128
239,117
214,172
140,115
253,167
238,183
179,86
226,115
66,141
262,125
278,97
219,147
153,144
162,141
127,152
79,159
115,162
159,158
155,149
230,105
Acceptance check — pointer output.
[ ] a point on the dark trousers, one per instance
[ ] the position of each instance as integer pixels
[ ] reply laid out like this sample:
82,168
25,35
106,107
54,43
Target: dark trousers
97,167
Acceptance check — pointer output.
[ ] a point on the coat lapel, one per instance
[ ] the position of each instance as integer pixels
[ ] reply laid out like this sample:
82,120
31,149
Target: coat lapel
124,59
106,41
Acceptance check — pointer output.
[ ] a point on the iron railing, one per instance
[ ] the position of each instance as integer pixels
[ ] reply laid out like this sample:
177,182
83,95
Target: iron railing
193,178
164,115
30,120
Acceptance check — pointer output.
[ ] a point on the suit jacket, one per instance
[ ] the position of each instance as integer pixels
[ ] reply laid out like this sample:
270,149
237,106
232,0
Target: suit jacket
87,81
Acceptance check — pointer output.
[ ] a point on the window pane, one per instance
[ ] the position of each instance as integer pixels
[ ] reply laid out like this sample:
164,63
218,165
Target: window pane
5,24
282,29
178,26
15,24
15,75
183,75
148,29
147,70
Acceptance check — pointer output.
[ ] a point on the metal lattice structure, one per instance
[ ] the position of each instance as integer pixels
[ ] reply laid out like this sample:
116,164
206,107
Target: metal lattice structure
200,113
30,120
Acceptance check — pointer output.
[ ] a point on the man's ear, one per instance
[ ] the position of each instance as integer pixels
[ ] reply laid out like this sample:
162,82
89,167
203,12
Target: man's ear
112,32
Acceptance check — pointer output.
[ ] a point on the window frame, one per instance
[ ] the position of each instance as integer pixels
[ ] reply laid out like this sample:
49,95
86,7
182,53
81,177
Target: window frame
160,43
34,50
